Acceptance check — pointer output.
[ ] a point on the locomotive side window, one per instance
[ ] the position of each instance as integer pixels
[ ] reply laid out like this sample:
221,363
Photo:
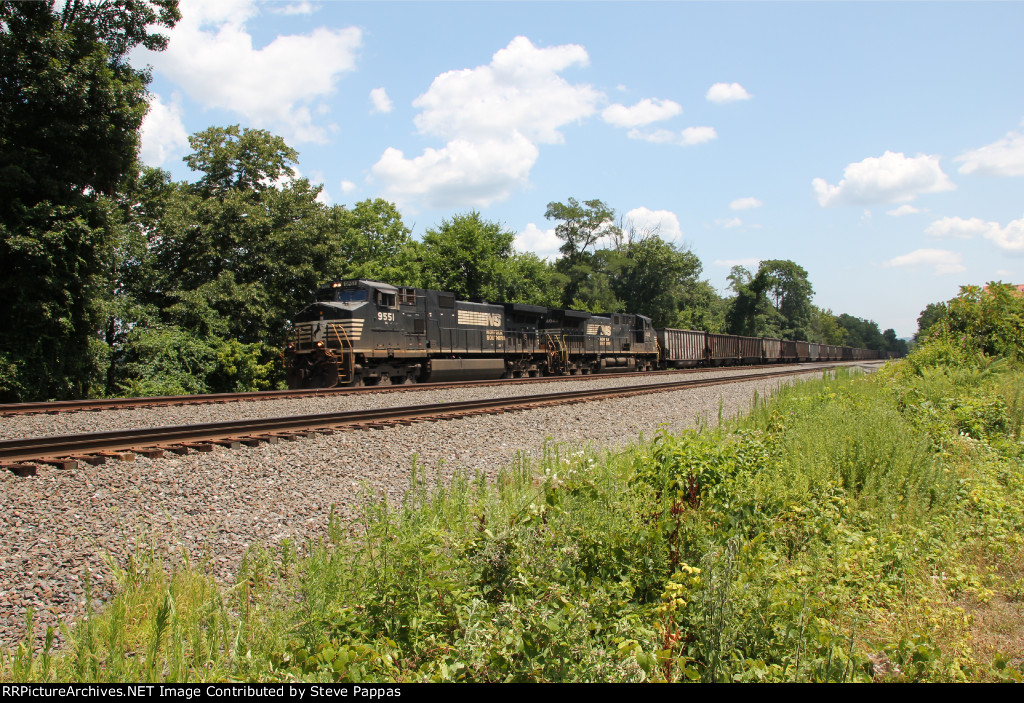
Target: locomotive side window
386,300
407,296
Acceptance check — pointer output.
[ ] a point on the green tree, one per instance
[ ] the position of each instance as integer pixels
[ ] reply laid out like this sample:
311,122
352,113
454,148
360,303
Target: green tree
825,328
747,312
70,110
239,250
893,343
374,243
224,261
933,313
775,302
990,318
786,287
469,256
218,267
531,280
580,227
701,308
861,333
654,280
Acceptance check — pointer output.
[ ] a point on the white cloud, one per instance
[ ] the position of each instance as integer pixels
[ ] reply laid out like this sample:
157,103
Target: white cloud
687,137
347,187
493,117
750,263
1009,238
745,204
542,242
944,261
643,113
727,93
163,132
958,228
381,101
1002,158
519,91
698,135
463,173
731,223
212,14
296,8
663,223
903,210
889,178
279,86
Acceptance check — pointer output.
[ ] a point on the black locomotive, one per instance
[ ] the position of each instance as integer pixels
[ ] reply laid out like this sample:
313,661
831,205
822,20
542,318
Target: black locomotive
367,333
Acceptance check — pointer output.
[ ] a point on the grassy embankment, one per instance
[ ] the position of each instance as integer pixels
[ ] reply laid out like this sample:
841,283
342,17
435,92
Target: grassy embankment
849,529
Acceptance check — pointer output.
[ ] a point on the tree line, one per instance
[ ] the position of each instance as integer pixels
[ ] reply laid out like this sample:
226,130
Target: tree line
121,280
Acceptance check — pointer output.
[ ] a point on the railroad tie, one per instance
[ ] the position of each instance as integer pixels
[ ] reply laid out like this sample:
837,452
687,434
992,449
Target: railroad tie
20,469
60,463
122,456
265,438
198,446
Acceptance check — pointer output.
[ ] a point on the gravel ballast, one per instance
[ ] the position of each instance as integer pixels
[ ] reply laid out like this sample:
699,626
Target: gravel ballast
59,524
42,425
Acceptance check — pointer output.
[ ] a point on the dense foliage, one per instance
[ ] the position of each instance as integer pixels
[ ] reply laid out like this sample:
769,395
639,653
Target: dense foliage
70,112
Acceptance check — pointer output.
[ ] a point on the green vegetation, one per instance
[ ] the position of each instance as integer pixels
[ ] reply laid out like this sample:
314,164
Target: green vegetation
71,107
853,528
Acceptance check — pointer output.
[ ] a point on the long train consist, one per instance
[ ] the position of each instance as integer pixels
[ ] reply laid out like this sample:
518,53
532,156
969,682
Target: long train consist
368,333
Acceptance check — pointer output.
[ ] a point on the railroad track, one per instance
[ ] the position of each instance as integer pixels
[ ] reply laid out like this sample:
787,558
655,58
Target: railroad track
66,451
101,404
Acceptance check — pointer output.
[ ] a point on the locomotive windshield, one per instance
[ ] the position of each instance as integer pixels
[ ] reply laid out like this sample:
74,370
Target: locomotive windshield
340,295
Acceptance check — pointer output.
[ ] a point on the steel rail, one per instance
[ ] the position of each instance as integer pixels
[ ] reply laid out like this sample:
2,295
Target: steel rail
98,404
40,448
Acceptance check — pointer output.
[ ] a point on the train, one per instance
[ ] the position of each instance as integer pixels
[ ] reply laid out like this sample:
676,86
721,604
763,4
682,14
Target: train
367,333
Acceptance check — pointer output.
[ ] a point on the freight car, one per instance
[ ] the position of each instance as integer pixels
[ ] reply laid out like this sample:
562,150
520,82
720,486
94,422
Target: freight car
363,332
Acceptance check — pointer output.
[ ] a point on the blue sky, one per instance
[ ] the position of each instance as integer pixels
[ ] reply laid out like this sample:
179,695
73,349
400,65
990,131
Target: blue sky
878,145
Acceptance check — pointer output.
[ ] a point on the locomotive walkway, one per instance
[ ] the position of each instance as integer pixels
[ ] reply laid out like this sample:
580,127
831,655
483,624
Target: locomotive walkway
66,451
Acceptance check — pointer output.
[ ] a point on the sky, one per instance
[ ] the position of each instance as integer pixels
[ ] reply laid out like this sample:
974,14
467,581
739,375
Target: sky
878,145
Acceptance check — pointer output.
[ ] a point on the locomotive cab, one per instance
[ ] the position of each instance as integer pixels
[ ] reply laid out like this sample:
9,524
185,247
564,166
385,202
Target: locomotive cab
352,321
